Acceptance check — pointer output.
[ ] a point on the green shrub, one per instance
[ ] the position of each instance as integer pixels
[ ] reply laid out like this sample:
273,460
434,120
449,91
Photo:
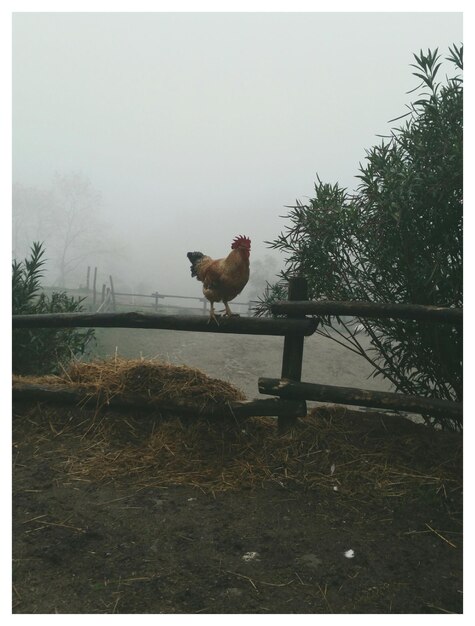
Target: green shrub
42,350
398,239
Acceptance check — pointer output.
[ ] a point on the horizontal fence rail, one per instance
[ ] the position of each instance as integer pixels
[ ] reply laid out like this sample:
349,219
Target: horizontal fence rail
290,389
156,295
370,310
238,408
236,325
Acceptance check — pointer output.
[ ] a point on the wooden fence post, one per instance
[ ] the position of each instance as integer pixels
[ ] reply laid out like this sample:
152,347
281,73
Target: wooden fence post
112,293
156,300
293,345
94,288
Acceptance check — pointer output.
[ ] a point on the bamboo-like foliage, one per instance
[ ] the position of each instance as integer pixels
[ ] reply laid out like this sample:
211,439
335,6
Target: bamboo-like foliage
396,239
39,351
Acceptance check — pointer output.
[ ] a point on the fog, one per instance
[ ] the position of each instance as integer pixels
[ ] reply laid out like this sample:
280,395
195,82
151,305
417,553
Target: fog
149,135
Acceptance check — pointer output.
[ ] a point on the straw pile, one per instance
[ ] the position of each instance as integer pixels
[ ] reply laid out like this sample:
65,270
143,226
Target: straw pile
154,380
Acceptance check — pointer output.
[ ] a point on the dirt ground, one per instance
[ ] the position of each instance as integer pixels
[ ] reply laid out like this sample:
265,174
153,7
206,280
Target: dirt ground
315,532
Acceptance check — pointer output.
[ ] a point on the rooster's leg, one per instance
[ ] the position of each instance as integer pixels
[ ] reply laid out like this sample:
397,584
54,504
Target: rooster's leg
212,315
229,313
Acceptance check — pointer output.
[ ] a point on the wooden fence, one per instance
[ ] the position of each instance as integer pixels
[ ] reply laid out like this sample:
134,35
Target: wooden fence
110,300
290,392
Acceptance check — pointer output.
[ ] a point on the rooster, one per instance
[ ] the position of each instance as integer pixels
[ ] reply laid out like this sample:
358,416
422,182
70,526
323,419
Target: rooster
223,279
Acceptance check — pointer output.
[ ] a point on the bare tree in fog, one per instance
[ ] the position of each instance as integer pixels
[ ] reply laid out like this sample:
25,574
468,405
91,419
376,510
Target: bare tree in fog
66,216
78,229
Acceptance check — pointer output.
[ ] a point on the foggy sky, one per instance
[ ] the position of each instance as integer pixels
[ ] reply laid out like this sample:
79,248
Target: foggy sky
195,127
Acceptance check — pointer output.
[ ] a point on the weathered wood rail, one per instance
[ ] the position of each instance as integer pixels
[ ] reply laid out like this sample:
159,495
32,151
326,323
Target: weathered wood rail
290,392
198,323
83,397
360,397
370,310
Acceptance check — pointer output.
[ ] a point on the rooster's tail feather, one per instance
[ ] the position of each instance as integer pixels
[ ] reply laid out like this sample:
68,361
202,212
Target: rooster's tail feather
195,258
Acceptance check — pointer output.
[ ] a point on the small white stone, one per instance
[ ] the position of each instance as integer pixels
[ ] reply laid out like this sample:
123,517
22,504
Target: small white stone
233,592
350,554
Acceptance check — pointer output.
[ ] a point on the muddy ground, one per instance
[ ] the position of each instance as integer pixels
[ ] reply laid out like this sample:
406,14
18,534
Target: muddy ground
124,543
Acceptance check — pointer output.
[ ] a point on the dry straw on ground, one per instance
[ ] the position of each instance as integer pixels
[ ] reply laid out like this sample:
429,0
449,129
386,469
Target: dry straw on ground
343,451
324,450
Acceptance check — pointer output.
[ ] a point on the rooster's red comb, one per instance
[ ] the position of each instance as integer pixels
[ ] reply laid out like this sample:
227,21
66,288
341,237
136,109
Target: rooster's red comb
241,240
